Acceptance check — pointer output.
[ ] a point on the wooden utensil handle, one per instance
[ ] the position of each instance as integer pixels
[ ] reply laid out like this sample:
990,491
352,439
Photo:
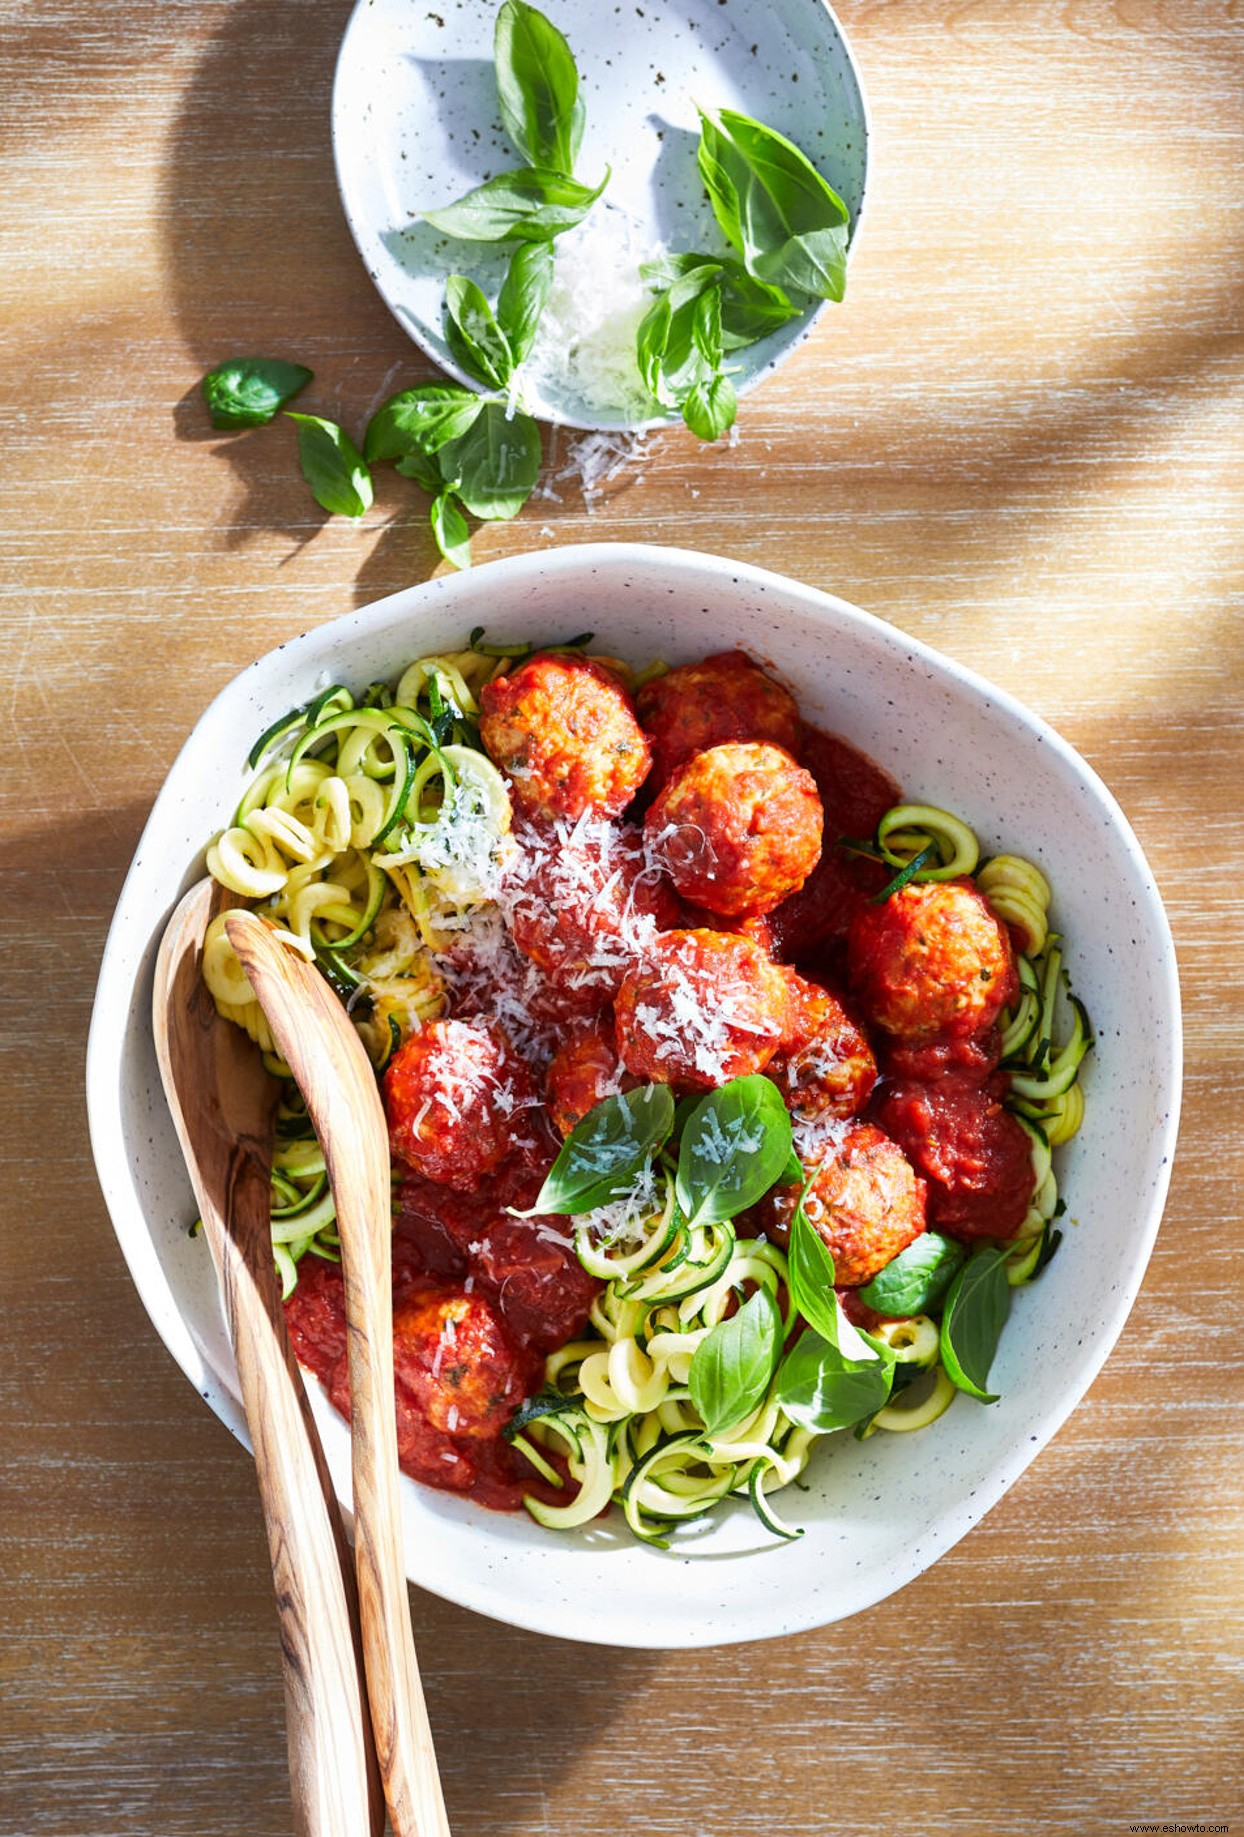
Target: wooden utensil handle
335,1791
326,1056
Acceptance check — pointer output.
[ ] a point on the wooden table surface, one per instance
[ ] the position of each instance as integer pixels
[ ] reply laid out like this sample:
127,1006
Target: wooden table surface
1019,440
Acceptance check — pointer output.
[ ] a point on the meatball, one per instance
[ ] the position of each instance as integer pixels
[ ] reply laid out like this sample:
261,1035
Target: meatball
564,731
727,697
701,1007
866,1202
454,1356
975,1157
932,959
451,1092
739,828
825,1066
582,907
585,1070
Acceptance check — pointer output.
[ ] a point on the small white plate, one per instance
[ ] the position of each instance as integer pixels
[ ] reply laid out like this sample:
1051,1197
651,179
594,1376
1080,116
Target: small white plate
415,125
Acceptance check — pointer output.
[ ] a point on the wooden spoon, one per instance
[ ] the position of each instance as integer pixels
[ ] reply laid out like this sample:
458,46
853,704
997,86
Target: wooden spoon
314,1036
222,1102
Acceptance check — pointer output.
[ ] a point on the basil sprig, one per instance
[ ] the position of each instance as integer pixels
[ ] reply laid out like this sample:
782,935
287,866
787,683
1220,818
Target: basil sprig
917,1278
333,466
473,335
735,1143
607,1151
419,421
773,206
524,295
976,1311
734,1364
537,87
249,391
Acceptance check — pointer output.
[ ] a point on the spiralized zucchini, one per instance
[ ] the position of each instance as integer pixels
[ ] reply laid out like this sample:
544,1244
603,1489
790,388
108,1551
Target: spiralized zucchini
370,832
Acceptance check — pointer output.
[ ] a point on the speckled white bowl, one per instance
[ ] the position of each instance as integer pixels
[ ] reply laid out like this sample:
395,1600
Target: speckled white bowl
415,125
880,1512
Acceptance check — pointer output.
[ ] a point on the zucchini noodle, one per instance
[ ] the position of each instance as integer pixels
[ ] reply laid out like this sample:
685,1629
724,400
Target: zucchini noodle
371,831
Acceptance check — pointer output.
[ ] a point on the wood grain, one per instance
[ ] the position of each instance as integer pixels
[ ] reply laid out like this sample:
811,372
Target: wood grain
1020,440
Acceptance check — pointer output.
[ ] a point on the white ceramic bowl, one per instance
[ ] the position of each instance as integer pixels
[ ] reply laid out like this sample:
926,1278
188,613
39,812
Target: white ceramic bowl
878,1513
415,125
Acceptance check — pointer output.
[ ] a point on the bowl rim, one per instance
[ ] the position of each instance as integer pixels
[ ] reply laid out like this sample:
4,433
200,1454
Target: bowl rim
112,1003
556,418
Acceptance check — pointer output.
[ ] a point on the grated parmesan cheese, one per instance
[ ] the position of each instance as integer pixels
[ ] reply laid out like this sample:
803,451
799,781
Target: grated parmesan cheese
585,345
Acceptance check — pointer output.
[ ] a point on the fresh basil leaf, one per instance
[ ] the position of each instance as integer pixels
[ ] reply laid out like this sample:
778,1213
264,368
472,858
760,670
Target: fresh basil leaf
420,420
449,527
820,1389
811,1276
710,408
670,360
494,465
524,295
734,1364
734,1144
661,271
750,309
333,466
473,335
773,206
706,327
537,87
530,205
425,471
917,1278
247,391
607,1150
975,1313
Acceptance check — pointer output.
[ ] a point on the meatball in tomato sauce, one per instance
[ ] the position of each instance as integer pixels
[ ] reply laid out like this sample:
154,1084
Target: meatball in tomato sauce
700,1008
698,705
564,731
974,1156
582,904
585,1070
738,828
932,959
455,1357
866,1204
825,1066
452,1093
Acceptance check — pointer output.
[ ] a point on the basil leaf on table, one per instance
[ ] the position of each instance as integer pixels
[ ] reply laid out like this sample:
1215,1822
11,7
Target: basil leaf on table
524,295
449,527
530,205
425,471
473,334
420,420
734,1364
975,1313
773,206
734,1145
607,1150
537,87
810,1278
711,408
820,1389
333,466
917,1278
249,391
495,464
